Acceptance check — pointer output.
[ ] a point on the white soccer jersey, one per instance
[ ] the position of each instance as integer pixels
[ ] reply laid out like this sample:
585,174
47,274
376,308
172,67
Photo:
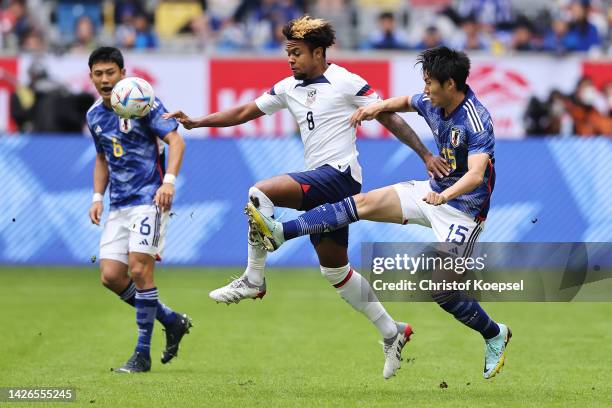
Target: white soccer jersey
322,107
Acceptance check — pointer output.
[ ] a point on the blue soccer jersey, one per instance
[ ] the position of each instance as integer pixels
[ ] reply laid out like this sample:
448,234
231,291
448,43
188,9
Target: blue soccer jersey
467,130
132,150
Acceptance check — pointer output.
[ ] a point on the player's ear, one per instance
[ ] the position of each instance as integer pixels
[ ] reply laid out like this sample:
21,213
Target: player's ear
318,53
122,73
450,83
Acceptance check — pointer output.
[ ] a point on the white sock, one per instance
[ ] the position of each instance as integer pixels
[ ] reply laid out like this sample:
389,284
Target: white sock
357,292
256,263
386,326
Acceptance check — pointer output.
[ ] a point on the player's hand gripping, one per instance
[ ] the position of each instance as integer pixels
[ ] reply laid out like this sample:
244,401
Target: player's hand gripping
368,112
164,196
95,212
434,198
437,166
182,118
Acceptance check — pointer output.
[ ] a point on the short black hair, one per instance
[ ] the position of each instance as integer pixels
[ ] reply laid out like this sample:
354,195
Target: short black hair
315,32
106,54
443,63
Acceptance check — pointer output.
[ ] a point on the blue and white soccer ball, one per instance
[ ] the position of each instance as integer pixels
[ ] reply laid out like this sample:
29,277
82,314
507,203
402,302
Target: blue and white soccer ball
132,98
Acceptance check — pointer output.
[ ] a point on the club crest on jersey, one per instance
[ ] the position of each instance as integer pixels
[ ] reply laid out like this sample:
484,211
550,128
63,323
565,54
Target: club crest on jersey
311,95
125,125
455,136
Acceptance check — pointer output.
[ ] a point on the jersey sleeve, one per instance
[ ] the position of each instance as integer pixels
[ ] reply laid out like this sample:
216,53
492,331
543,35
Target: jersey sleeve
418,102
273,100
359,92
95,138
482,142
160,126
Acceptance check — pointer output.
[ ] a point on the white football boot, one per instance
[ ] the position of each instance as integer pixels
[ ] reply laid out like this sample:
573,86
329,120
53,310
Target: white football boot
393,347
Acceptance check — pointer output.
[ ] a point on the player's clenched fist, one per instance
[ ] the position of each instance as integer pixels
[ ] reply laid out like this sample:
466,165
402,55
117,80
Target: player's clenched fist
95,212
164,196
434,198
437,166
182,118
365,113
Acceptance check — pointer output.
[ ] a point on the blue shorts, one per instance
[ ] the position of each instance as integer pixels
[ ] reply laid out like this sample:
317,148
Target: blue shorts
323,185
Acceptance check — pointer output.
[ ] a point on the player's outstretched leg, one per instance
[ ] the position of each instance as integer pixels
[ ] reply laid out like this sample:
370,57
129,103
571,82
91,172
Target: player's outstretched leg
252,284
324,218
469,312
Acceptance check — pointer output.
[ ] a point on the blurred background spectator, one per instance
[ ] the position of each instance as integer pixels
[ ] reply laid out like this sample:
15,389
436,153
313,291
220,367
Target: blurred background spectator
555,36
136,33
470,37
431,38
582,34
522,37
387,36
84,35
44,105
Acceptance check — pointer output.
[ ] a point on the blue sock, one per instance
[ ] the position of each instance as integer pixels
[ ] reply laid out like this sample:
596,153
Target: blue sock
146,307
468,311
324,218
164,314
129,294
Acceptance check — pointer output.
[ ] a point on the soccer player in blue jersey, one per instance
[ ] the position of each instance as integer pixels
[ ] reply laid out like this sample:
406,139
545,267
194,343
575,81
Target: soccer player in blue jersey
130,156
454,206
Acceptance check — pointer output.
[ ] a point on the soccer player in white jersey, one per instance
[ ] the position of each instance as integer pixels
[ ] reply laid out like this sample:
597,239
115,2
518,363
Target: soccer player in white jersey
454,206
321,97
130,158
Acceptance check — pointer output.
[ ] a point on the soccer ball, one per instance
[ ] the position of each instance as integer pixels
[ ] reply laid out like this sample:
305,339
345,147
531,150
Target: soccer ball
132,98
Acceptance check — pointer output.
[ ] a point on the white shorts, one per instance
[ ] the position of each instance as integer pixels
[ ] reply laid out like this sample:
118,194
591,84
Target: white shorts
448,223
140,228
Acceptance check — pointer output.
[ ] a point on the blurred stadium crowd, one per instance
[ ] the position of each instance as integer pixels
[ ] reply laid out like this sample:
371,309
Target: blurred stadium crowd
220,27
495,26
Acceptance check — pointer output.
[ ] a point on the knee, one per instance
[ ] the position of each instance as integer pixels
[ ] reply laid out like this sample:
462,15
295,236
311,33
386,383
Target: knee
139,271
335,275
110,278
363,203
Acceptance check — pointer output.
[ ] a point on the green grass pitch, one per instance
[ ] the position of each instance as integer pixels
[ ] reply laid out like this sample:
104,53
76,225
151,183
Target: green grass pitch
301,346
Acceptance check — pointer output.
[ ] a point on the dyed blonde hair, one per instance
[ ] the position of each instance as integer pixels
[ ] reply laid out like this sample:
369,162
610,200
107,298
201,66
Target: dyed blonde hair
315,32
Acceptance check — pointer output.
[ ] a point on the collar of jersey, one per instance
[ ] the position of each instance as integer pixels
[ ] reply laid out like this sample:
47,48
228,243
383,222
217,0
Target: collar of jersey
318,80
